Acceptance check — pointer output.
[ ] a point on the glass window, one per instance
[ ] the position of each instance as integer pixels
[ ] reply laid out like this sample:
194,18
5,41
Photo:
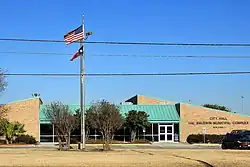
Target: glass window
162,137
245,137
176,132
169,129
155,129
46,129
162,129
169,137
46,139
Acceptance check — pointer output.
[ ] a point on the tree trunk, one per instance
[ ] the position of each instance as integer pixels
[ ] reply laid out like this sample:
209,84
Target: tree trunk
68,141
87,134
107,144
133,135
7,141
60,142
103,141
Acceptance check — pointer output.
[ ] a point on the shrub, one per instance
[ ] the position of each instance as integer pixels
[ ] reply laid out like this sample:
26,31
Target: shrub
25,139
140,141
2,142
209,138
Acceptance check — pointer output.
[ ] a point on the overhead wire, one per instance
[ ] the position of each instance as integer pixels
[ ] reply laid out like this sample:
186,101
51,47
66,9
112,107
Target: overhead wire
36,53
168,56
128,74
130,43
125,55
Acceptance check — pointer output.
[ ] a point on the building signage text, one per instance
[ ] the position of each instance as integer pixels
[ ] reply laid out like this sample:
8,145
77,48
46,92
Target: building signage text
218,121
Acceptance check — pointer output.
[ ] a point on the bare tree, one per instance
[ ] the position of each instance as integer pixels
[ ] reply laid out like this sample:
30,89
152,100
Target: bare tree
106,118
63,120
3,83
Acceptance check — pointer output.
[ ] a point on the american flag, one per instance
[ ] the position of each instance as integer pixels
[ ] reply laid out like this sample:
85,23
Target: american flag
73,36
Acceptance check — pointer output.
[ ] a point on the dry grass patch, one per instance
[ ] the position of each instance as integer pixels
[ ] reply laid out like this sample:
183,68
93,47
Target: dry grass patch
143,157
38,157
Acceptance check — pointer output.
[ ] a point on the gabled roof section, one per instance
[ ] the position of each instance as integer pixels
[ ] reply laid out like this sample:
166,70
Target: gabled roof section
133,99
41,102
151,100
141,99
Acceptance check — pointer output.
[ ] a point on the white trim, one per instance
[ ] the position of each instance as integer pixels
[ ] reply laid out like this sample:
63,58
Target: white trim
53,132
152,130
166,133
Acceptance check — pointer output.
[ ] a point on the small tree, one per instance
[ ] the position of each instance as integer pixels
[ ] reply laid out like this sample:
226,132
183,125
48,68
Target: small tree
11,129
63,120
136,120
106,118
217,107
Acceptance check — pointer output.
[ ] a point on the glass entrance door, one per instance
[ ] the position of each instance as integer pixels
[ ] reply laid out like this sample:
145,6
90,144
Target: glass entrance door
166,133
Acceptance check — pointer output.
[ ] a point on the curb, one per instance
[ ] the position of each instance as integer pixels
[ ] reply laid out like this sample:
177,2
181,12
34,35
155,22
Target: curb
207,145
115,144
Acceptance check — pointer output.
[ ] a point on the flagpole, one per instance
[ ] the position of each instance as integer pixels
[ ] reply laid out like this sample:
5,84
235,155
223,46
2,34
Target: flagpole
82,89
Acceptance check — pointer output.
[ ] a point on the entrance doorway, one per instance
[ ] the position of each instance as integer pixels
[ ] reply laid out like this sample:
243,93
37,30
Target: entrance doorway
166,133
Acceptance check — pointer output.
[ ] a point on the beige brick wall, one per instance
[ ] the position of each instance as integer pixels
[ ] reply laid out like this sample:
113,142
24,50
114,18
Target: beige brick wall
194,118
26,112
148,100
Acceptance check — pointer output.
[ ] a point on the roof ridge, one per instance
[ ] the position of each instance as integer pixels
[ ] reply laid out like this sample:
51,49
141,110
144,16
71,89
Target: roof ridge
32,98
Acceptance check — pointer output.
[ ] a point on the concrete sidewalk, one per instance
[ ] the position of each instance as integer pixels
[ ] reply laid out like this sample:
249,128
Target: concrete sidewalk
155,145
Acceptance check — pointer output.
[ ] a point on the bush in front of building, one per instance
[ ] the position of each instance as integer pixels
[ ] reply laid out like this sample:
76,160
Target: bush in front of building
25,139
10,130
209,138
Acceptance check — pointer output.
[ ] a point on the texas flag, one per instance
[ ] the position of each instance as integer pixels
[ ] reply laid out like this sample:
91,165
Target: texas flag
77,54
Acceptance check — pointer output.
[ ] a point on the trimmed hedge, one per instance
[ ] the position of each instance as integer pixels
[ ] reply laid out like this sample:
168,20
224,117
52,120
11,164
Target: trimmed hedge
209,138
25,139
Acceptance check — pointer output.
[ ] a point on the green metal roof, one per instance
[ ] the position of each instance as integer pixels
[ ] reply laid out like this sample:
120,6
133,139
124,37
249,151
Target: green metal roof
157,113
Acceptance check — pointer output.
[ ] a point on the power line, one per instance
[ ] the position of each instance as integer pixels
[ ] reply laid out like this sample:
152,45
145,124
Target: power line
128,55
128,74
165,56
37,53
131,43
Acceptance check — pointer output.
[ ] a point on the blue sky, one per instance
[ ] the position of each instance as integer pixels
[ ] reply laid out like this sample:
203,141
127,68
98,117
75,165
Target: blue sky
224,21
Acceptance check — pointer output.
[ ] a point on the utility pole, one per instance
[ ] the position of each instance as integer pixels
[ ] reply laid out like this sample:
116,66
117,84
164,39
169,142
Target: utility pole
82,85
82,88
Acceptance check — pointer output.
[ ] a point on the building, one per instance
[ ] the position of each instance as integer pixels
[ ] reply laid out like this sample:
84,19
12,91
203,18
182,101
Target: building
170,121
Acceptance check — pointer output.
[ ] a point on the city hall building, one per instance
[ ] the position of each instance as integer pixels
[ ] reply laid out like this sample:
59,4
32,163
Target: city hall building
169,121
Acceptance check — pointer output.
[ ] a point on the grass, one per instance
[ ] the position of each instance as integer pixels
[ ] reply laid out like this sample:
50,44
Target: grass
149,157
